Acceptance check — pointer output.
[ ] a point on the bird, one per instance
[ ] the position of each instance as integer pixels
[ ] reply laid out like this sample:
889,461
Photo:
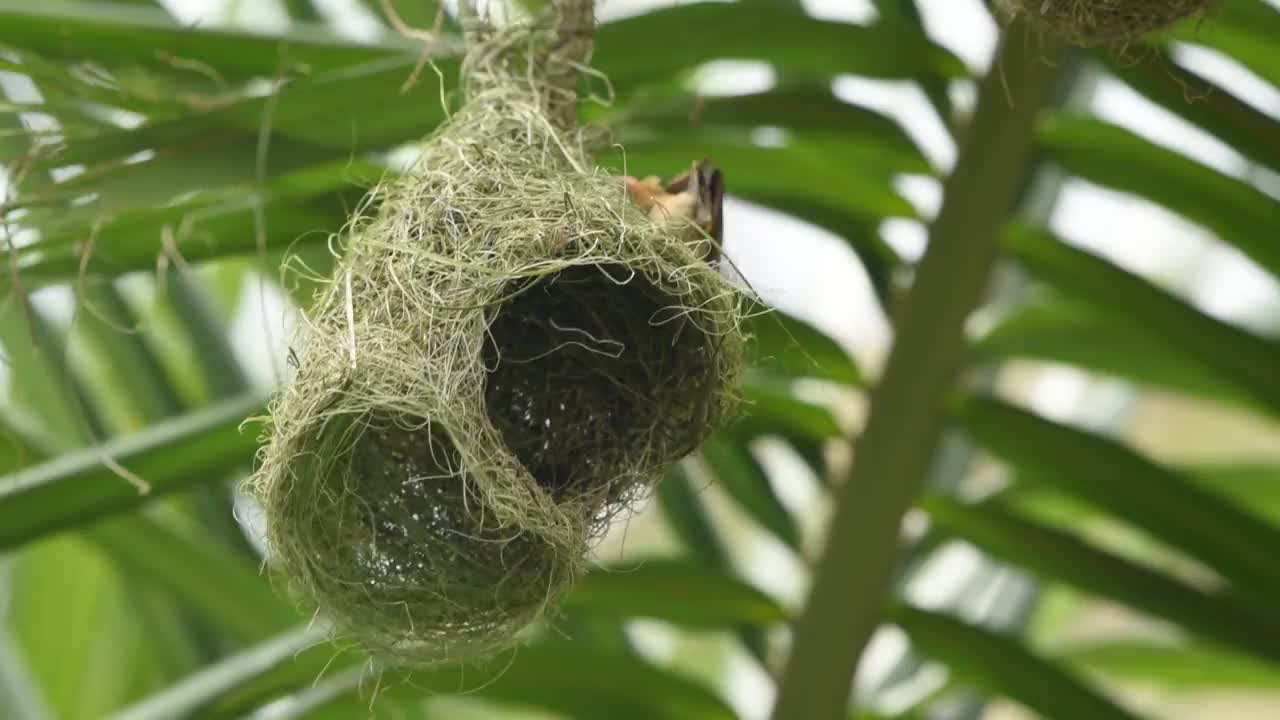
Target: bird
695,196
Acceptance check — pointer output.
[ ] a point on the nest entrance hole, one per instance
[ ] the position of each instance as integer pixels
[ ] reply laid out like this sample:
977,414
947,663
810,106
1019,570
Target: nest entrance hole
589,370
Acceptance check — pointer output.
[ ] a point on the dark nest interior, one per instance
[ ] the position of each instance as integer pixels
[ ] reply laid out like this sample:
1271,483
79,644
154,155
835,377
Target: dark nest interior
592,369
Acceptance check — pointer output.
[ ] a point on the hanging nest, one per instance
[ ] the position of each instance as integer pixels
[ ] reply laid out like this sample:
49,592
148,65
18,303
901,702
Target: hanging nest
1093,22
508,355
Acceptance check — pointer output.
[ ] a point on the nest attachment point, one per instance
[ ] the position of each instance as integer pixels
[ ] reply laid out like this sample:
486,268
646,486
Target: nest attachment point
508,355
1093,22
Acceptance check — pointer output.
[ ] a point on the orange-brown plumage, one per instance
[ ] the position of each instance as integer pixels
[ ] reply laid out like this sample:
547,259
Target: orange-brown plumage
696,195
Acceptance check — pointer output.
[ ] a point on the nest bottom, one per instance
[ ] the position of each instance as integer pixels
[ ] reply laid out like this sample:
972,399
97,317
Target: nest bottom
392,541
596,377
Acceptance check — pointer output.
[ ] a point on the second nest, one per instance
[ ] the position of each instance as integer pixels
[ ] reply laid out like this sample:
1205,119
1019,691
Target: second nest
1092,22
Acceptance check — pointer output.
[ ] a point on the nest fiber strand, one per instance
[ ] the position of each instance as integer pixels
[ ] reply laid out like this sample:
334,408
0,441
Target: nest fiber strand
1102,21
508,354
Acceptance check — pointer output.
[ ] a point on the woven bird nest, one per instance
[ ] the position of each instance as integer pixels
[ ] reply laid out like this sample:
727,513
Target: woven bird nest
506,357
1091,22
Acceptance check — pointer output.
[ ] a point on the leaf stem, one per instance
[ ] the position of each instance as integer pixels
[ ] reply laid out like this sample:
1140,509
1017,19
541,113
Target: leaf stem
575,22
848,598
